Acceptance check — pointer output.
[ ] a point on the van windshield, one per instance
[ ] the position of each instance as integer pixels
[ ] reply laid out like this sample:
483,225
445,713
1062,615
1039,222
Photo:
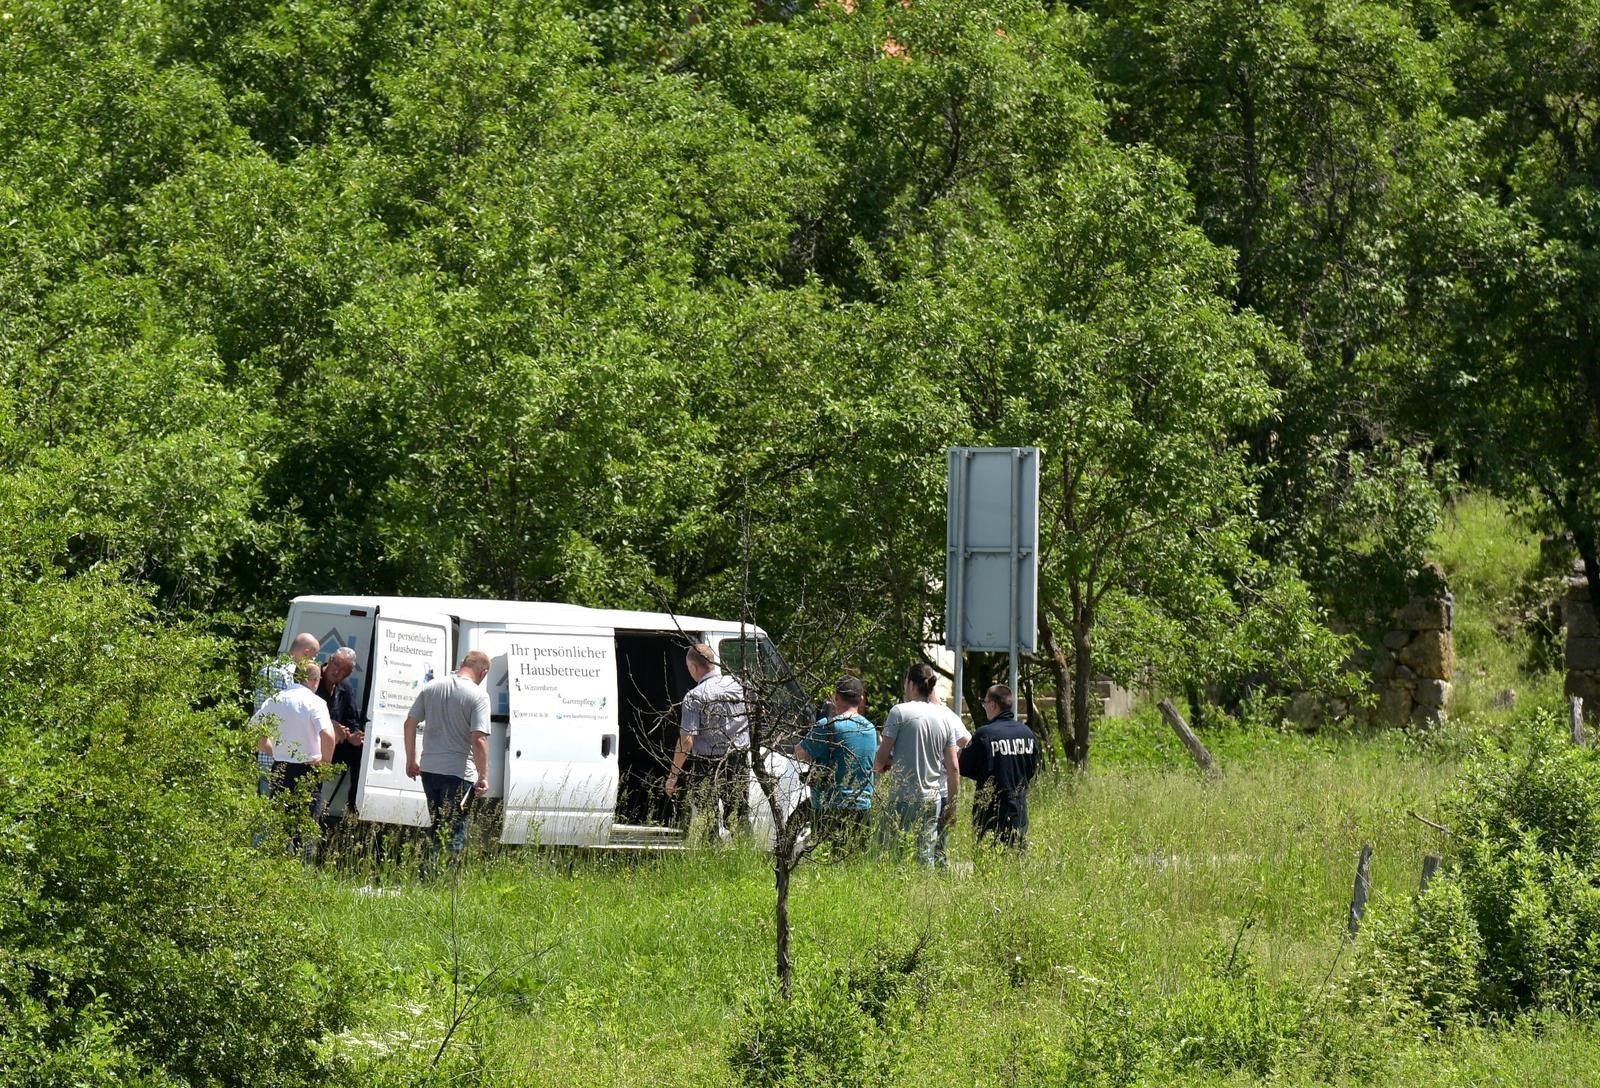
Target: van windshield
767,676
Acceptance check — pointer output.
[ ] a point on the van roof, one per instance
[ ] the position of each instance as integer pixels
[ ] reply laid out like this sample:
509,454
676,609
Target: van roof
544,613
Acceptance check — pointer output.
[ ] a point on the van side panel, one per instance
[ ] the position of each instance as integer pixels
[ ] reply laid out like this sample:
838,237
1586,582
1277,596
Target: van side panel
561,756
408,651
336,626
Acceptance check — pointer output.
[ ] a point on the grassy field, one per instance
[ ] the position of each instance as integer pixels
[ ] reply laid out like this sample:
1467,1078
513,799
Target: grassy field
629,969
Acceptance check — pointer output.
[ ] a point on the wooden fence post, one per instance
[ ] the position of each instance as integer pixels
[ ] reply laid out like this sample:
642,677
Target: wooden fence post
1430,865
1358,898
1190,741
1575,707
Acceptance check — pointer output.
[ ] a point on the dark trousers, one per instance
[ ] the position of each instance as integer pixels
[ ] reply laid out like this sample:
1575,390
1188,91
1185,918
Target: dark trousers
1002,816
299,796
449,809
717,782
347,757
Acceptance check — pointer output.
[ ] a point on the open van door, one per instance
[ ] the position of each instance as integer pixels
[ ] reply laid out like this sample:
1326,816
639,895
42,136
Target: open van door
408,650
560,777
337,625
751,656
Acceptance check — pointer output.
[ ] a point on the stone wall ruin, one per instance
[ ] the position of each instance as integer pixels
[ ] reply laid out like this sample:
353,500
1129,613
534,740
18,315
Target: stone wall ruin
1416,662
1583,646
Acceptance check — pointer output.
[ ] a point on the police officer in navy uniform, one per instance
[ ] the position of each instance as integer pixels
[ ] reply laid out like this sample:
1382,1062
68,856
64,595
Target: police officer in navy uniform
1001,760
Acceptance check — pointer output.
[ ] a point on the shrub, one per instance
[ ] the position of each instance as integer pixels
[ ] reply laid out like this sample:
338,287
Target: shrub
846,1029
1229,1018
1225,1019
143,942
1429,955
1110,1039
1514,926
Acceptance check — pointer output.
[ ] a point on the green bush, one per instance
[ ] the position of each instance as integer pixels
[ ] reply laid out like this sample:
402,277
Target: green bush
1225,1019
1516,924
846,1028
1231,1019
141,940
1429,955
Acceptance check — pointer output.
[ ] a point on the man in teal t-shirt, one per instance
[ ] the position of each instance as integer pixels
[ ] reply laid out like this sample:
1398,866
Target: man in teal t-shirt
840,749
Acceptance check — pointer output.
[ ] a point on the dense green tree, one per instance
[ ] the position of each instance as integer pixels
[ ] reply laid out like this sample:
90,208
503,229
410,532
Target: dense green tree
1027,283
1525,383
1095,330
668,301
1315,142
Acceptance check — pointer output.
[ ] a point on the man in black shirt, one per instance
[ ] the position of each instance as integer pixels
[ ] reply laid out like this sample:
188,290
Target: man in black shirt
1001,760
338,690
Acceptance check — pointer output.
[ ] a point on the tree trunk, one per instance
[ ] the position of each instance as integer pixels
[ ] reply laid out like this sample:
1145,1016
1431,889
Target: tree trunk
1082,681
785,965
784,859
1057,663
976,679
1046,753
1196,700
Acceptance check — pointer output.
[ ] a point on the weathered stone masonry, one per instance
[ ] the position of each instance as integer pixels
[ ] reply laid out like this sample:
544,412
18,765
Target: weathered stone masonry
1417,663
1583,646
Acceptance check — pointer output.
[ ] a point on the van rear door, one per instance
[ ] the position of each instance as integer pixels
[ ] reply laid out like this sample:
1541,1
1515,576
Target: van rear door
409,648
336,626
561,734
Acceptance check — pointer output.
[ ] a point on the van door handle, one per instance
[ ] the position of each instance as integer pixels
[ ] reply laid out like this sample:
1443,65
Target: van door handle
608,744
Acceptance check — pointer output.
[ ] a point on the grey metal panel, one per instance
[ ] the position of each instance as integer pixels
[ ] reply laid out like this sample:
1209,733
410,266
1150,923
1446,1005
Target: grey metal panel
992,548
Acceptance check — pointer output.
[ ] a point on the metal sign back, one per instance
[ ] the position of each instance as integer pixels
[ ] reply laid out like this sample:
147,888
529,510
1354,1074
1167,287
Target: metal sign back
992,549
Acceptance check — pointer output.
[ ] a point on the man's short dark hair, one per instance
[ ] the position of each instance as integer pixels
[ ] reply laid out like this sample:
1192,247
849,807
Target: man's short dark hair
851,689
1000,695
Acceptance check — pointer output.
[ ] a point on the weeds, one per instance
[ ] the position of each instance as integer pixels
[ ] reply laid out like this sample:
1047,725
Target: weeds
1159,931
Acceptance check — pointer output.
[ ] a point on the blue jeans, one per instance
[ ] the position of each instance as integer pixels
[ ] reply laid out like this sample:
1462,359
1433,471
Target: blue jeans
912,822
449,806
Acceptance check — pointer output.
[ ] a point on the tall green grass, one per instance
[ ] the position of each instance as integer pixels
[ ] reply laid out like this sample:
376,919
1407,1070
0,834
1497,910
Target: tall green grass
1487,555
1198,924
636,969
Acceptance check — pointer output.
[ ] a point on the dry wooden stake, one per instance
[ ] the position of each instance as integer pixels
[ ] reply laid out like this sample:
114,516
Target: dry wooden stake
1575,707
1358,898
1430,865
1190,741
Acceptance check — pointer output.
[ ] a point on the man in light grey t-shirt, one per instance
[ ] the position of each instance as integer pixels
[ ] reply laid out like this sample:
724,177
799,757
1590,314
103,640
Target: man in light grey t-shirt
919,745
713,750
454,767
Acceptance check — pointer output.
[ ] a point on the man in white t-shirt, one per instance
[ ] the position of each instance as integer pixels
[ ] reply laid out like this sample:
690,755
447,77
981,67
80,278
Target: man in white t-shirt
275,676
298,734
919,745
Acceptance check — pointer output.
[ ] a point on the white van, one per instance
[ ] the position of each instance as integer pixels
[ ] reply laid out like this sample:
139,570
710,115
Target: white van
583,701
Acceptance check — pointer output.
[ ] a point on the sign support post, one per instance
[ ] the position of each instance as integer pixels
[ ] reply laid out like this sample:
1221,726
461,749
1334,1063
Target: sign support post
964,468
992,564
